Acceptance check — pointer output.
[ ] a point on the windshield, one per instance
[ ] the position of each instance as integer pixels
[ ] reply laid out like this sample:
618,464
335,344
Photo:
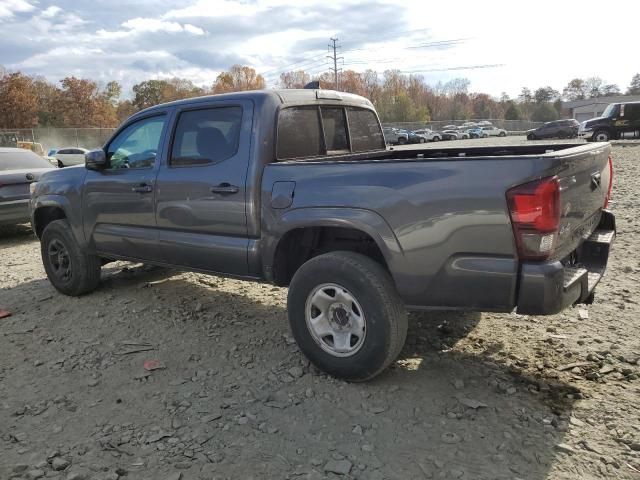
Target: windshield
21,160
611,110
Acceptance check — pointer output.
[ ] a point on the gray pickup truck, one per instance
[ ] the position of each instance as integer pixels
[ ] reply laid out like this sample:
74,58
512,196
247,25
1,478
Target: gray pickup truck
297,188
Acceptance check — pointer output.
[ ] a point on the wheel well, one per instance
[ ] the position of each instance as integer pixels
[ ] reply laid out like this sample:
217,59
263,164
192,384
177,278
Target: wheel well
301,244
44,216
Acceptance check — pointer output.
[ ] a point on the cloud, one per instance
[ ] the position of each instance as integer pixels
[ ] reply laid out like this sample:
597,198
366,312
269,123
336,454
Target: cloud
196,39
8,8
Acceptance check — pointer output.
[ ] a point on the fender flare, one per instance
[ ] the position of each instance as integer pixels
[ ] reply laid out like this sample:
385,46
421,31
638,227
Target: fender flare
61,202
367,221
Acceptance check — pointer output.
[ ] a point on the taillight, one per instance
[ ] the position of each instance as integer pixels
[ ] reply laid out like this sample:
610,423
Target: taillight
608,197
535,215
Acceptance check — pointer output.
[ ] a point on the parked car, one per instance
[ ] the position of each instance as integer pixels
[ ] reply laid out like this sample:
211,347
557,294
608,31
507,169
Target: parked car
617,119
67,157
555,129
488,131
35,147
449,135
449,127
51,157
18,169
297,188
468,125
413,137
395,136
429,135
455,134
477,132
485,123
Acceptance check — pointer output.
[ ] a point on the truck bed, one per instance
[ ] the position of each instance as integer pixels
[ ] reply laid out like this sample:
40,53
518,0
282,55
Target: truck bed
446,211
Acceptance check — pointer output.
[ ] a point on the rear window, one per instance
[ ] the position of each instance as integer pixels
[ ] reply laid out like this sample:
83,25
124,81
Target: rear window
365,130
21,159
335,129
300,131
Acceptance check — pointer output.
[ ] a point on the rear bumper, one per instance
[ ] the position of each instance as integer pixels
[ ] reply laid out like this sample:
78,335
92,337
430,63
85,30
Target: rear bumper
14,212
548,288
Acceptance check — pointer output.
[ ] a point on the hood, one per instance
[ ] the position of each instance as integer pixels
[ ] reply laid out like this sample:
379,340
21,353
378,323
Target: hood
595,120
531,130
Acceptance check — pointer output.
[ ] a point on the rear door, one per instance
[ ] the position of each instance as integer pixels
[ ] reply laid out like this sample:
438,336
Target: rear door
118,202
201,200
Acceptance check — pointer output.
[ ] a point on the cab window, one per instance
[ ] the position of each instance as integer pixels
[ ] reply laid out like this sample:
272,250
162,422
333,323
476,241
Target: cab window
137,145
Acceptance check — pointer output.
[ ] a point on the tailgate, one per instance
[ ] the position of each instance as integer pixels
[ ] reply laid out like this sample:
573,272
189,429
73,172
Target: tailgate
584,185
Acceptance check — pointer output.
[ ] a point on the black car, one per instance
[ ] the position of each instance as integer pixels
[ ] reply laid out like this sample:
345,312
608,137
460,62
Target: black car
617,119
556,129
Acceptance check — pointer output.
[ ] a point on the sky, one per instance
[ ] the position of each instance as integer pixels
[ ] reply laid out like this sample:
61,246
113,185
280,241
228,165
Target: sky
500,46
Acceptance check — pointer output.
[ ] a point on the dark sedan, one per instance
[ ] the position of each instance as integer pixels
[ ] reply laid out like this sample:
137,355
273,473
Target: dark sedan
18,169
556,129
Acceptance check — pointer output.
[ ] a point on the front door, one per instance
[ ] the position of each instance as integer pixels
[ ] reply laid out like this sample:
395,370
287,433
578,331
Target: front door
201,198
118,202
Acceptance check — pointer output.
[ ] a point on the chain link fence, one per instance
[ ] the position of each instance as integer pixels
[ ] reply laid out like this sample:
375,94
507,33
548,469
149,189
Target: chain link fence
514,126
61,137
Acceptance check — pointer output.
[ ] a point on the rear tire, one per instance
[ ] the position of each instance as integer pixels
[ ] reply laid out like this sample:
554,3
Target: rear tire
364,310
70,270
402,141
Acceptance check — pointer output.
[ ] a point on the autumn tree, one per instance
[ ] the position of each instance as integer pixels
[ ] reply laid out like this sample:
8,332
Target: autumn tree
545,94
634,86
18,101
238,78
296,79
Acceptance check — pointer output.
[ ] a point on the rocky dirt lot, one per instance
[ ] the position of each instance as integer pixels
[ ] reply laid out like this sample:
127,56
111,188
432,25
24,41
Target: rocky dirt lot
472,396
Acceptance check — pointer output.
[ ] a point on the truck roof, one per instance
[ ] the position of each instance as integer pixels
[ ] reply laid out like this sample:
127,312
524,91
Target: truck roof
283,96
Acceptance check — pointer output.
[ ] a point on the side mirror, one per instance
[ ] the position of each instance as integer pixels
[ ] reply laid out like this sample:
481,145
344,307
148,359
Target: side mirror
95,160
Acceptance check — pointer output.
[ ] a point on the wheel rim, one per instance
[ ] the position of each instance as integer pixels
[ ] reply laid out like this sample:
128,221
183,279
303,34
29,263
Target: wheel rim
335,320
59,260
602,137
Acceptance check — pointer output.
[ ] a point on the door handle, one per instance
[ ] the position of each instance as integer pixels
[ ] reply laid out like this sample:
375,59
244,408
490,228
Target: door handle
142,188
225,188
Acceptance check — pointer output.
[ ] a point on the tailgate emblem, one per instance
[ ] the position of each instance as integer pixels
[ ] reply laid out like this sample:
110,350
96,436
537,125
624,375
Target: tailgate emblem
596,179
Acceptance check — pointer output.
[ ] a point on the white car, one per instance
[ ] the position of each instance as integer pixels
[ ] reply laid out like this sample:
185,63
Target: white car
493,131
67,157
429,135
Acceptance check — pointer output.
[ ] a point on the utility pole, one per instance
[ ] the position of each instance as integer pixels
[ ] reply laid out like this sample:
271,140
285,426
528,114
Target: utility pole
334,46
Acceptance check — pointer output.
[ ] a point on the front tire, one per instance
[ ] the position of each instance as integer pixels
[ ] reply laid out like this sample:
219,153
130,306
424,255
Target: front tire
502,134
422,140
436,139
70,270
60,164
601,136
346,315
402,141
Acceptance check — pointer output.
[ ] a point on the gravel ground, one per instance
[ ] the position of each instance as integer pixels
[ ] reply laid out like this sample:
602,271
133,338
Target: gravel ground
472,396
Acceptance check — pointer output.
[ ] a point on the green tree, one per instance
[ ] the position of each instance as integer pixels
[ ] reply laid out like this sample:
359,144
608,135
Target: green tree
576,89
545,94
512,112
148,93
544,112
634,86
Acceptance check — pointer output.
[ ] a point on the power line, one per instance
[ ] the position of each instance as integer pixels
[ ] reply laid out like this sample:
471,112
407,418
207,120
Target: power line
335,58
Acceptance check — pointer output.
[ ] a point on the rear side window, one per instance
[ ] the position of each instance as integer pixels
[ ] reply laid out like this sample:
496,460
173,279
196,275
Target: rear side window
364,129
335,129
205,136
299,133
